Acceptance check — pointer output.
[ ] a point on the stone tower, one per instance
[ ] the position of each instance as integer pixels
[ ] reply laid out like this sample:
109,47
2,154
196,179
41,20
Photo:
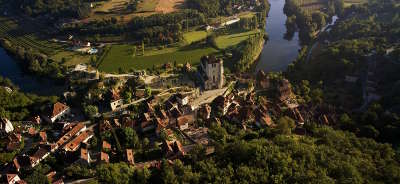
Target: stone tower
213,72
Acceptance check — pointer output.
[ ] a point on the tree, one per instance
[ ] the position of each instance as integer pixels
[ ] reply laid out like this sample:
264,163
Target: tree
142,48
91,111
127,96
147,91
130,138
134,51
319,18
285,125
146,142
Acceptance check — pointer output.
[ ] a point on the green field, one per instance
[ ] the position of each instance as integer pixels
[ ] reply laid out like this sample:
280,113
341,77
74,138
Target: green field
233,38
194,36
120,56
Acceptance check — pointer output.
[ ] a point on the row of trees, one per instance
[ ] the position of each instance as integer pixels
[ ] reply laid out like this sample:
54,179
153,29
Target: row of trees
159,29
35,62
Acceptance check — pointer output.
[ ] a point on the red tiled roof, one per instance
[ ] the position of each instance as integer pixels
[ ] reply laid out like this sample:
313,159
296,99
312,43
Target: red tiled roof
58,108
10,177
69,134
106,145
43,136
74,144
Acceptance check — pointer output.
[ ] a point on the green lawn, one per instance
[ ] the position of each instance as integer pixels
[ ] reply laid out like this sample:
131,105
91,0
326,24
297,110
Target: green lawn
233,38
194,36
120,56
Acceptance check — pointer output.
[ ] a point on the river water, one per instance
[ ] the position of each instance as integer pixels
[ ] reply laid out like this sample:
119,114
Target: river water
278,52
27,83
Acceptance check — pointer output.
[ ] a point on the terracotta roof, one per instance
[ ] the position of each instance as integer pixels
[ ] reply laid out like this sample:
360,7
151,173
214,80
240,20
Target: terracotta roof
115,95
10,177
74,144
39,154
16,163
60,181
184,120
84,154
43,136
31,131
105,126
104,157
50,175
58,108
106,145
70,134
130,157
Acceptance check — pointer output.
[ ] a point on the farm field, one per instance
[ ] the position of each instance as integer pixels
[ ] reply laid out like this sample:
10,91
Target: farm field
194,36
72,58
147,5
233,38
168,6
29,34
25,34
118,9
120,56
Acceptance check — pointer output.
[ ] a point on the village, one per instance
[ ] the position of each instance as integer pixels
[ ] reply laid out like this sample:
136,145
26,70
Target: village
169,123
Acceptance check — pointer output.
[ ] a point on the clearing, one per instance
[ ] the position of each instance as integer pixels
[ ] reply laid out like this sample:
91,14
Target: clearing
194,36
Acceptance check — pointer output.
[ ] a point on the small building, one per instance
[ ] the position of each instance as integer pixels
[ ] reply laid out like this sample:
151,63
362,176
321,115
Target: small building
36,120
76,142
38,156
183,122
182,99
205,112
43,137
56,112
84,157
6,126
13,179
116,101
106,145
130,157
104,158
172,149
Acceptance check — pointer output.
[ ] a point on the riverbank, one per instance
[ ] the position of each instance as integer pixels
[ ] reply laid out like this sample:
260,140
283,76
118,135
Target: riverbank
11,69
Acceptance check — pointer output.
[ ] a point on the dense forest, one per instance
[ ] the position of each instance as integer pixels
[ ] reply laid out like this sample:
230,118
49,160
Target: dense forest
54,8
358,46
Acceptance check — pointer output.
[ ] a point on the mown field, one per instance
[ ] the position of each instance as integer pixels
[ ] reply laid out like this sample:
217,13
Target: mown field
233,38
194,36
121,56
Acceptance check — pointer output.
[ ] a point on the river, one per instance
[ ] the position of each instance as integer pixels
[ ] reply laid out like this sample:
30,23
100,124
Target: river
27,83
278,52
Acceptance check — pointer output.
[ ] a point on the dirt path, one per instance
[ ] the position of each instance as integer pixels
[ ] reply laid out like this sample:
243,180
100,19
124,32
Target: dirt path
168,6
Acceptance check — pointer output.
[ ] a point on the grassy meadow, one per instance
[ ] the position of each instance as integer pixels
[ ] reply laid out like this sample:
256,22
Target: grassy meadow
121,56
